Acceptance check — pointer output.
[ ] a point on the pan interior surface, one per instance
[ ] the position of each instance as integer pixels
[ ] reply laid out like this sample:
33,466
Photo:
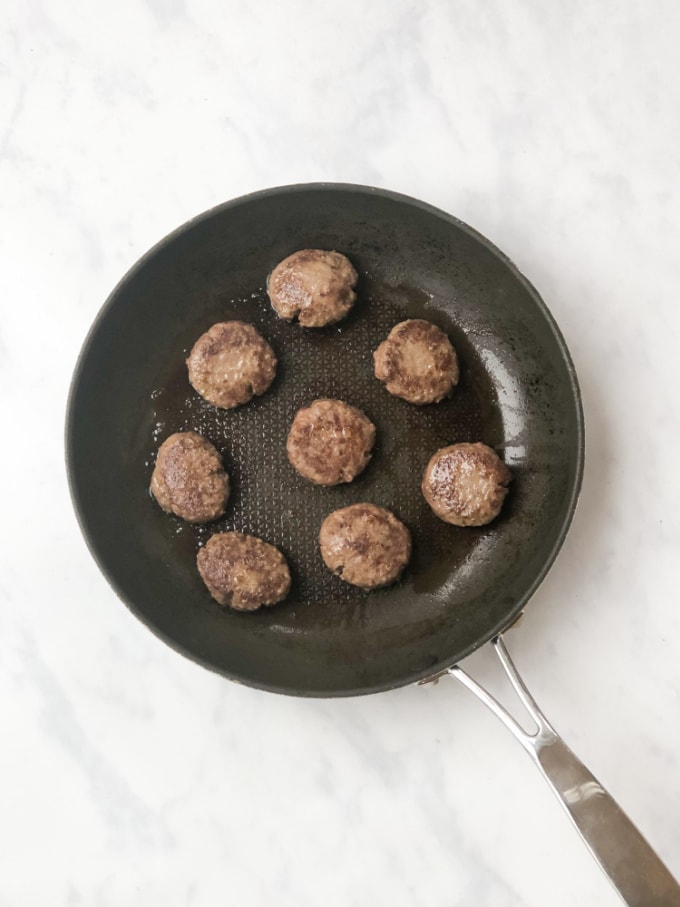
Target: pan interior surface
517,393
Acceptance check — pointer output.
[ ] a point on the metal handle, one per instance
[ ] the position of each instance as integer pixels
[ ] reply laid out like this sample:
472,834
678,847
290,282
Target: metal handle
633,868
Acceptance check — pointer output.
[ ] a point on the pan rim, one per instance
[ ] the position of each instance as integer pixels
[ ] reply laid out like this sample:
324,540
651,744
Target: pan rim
443,663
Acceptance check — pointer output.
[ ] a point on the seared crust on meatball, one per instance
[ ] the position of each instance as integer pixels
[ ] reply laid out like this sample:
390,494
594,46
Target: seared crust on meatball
243,571
330,442
365,545
314,286
466,484
189,479
230,364
417,362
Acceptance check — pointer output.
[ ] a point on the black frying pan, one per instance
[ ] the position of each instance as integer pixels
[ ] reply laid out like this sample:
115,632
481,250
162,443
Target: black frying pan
518,393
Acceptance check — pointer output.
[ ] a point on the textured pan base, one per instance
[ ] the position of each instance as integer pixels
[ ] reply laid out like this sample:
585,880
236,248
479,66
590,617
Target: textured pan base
270,500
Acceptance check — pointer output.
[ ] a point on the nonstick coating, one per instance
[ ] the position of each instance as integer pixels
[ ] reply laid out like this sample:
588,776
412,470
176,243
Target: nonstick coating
518,393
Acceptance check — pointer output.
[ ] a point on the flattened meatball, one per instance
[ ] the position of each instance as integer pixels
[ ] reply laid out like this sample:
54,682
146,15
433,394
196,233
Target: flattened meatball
466,484
189,479
417,362
230,364
365,545
243,571
330,442
315,286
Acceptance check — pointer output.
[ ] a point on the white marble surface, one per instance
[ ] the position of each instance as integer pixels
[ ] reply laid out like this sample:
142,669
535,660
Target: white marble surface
128,774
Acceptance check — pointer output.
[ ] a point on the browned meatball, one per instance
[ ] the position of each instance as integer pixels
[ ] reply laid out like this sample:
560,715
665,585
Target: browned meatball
243,571
230,364
315,286
189,479
417,362
330,442
365,545
466,484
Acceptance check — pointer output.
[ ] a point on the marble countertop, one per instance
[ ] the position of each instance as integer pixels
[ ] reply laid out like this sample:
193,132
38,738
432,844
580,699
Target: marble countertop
129,774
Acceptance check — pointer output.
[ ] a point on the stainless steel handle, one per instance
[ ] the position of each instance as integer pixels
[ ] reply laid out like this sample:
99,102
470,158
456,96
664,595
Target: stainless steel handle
633,868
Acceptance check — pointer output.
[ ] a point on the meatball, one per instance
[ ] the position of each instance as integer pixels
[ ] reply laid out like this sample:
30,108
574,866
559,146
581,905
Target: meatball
417,362
315,286
189,479
230,364
365,545
330,442
243,571
466,484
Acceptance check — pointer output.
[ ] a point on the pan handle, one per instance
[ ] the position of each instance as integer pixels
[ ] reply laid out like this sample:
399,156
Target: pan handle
633,868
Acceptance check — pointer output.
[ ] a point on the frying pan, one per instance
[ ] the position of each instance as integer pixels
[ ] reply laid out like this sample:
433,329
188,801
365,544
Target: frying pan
518,393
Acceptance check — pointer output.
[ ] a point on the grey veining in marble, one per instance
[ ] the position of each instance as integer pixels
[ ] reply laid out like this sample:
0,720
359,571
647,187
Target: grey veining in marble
131,776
